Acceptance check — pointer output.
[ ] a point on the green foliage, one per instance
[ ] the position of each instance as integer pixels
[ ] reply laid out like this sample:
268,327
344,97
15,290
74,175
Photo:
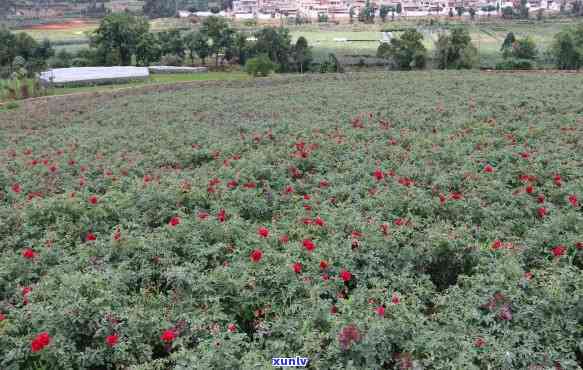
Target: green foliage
276,44
260,66
455,50
220,35
171,42
118,35
148,49
302,54
367,13
197,44
160,8
406,52
567,48
424,186
512,63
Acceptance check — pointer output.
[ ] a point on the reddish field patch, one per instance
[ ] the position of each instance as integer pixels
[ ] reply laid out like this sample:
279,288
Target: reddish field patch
63,25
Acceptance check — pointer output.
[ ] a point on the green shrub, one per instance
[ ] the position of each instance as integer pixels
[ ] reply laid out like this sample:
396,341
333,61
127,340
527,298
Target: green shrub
509,64
260,66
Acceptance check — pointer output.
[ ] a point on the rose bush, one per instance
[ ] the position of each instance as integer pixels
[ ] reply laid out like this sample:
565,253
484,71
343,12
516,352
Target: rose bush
428,220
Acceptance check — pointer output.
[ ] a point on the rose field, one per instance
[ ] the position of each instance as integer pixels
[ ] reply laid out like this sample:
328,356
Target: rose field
426,220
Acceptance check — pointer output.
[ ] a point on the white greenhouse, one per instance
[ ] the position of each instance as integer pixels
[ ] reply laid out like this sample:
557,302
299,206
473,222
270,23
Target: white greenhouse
93,75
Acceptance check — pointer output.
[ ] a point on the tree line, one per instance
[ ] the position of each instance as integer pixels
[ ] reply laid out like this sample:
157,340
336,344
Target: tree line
455,50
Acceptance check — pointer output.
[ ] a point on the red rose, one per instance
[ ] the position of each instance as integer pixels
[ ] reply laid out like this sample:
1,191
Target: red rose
168,336
488,169
378,174
529,189
528,275
232,328
40,341
479,343
29,254
112,340
202,215
323,265
573,200
256,255
90,237
456,196
2,317
400,222
395,299
263,232
324,184
542,212
309,245
385,229
297,267
346,275
284,239
380,310
16,188
93,199
559,250
579,245
318,221
250,185
541,198
222,215
497,244
557,180
117,234
174,221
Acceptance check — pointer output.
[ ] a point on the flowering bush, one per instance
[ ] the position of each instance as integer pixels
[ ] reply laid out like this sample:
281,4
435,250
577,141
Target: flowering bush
435,222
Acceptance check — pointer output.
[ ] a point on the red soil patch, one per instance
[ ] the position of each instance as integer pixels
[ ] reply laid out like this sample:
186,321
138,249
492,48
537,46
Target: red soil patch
62,25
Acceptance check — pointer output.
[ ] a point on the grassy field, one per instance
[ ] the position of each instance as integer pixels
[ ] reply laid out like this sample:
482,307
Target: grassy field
363,221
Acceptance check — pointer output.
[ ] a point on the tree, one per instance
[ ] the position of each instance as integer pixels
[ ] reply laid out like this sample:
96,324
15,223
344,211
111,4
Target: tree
524,48
399,8
507,12
506,47
456,51
406,52
367,13
472,12
450,12
567,48
171,42
148,49
488,9
523,9
460,10
220,35
260,66
119,34
276,44
351,14
301,54
384,11
160,8
241,47
7,47
197,43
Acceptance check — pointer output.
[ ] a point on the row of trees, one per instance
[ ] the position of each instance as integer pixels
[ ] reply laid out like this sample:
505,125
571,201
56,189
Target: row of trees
125,39
25,48
455,50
